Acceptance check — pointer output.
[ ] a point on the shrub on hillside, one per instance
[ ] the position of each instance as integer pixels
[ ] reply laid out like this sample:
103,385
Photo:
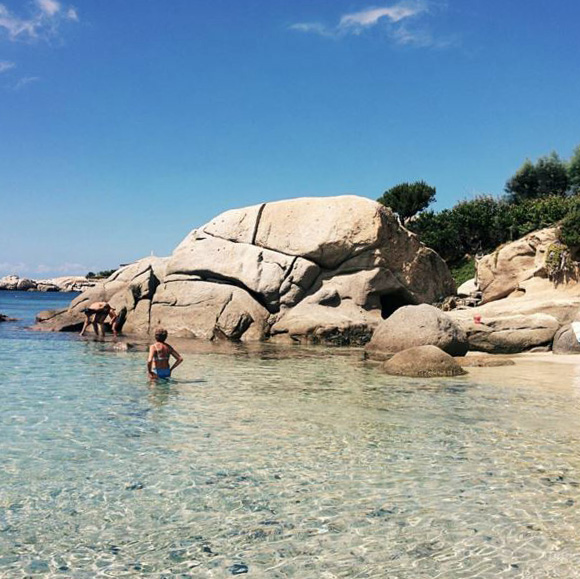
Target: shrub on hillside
574,171
481,224
470,227
463,270
569,231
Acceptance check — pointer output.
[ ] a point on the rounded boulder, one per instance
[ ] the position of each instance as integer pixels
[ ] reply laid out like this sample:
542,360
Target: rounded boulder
565,341
412,326
423,362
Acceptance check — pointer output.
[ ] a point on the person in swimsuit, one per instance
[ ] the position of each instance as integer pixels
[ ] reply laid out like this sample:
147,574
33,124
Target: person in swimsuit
159,355
96,314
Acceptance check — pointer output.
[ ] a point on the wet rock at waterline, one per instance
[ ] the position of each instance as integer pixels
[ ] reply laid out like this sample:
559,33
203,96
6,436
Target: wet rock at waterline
308,270
423,362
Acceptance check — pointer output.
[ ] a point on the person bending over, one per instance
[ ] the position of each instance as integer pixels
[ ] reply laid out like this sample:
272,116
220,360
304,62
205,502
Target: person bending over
159,355
96,314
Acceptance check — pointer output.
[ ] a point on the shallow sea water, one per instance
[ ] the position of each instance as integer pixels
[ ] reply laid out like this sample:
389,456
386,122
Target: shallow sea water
279,463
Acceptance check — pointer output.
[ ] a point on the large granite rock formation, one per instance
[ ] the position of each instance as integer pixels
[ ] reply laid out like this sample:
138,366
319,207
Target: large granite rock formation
308,269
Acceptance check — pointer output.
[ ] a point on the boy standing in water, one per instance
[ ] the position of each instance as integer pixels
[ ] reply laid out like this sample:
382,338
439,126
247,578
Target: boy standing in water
159,354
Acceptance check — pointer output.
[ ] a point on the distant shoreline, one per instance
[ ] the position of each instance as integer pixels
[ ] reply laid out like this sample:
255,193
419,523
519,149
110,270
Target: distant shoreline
66,284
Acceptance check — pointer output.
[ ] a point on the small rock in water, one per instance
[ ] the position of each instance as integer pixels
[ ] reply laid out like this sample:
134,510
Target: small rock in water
381,512
178,555
136,486
239,569
38,567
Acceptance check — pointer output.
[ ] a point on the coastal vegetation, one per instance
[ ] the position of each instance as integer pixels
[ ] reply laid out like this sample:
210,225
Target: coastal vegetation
407,199
105,273
538,195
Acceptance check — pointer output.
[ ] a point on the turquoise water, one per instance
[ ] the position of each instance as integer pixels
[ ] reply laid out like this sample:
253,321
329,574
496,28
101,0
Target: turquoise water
277,463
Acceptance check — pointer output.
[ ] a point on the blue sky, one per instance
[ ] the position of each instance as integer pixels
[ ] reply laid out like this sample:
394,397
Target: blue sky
123,125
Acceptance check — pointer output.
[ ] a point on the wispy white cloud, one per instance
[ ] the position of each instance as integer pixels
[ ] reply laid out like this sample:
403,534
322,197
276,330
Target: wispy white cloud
5,65
371,16
50,7
24,82
399,20
43,20
314,27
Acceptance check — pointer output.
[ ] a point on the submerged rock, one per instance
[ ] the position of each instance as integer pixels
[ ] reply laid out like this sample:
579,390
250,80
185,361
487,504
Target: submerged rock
423,362
483,361
309,270
412,326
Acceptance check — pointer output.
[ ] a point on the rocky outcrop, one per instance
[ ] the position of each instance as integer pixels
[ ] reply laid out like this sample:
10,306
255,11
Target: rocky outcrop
510,334
507,269
423,362
16,283
413,326
524,298
5,318
308,270
57,284
565,341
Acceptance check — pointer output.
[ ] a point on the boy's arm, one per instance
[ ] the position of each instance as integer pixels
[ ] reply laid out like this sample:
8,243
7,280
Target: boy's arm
150,363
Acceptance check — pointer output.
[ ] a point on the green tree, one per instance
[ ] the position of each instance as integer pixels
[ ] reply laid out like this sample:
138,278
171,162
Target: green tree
574,171
552,175
407,199
524,184
548,176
